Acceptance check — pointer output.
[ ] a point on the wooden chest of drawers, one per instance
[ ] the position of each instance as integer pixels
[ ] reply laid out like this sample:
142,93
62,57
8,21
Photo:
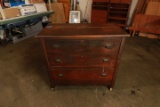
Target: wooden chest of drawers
82,54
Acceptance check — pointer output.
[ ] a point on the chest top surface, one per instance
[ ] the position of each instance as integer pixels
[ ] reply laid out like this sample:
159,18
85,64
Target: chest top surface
81,31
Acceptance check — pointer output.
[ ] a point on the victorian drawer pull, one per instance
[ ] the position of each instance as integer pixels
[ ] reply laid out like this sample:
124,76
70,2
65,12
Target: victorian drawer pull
55,46
58,60
82,56
103,74
60,75
105,60
109,46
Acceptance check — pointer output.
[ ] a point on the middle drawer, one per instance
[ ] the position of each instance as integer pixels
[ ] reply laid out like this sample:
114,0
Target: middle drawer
77,60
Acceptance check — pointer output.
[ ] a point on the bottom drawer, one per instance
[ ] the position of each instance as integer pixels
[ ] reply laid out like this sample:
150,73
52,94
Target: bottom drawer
81,76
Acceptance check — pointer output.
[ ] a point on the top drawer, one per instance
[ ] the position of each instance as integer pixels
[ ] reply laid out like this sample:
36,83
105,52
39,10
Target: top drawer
82,46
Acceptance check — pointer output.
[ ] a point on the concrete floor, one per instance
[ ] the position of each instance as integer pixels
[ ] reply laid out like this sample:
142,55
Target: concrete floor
24,81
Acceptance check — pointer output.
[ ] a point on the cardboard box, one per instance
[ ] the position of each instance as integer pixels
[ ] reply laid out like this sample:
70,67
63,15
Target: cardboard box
59,15
36,1
11,12
66,5
40,7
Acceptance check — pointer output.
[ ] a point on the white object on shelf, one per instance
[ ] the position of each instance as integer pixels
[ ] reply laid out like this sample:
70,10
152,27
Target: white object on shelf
74,17
27,2
2,34
27,9
40,7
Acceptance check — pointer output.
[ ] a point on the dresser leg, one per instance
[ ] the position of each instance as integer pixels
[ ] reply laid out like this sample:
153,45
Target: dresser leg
52,85
53,89
110,89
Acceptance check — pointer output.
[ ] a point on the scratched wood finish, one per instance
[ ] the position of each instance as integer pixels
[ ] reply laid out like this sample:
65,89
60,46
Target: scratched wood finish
82,76
82,60
82,54
81,31
82,46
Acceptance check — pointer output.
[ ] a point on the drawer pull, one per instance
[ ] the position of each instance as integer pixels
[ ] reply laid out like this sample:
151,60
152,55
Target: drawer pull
55,46
109,46
82,56
105,60
103,74
49,26
60,75
58,60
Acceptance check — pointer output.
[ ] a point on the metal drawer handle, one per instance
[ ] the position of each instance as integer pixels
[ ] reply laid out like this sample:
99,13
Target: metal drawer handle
82,56
58,60
105,59
109,46
60,75
103,74
55,46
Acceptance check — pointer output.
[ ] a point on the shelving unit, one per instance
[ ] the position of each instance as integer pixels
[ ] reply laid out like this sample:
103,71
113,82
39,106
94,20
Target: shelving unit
100,11
118,12
113,11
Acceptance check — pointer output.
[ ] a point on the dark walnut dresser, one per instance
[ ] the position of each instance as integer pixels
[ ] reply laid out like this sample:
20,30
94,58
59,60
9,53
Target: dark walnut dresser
82,54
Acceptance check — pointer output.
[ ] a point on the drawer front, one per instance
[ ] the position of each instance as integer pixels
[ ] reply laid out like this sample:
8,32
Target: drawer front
82,60
82,46
85,76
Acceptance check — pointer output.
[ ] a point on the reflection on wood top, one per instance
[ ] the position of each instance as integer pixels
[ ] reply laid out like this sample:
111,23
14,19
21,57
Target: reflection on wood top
82,31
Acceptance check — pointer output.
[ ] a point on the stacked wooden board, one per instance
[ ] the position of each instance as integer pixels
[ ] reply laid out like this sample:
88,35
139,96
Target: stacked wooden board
61,10
153,8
